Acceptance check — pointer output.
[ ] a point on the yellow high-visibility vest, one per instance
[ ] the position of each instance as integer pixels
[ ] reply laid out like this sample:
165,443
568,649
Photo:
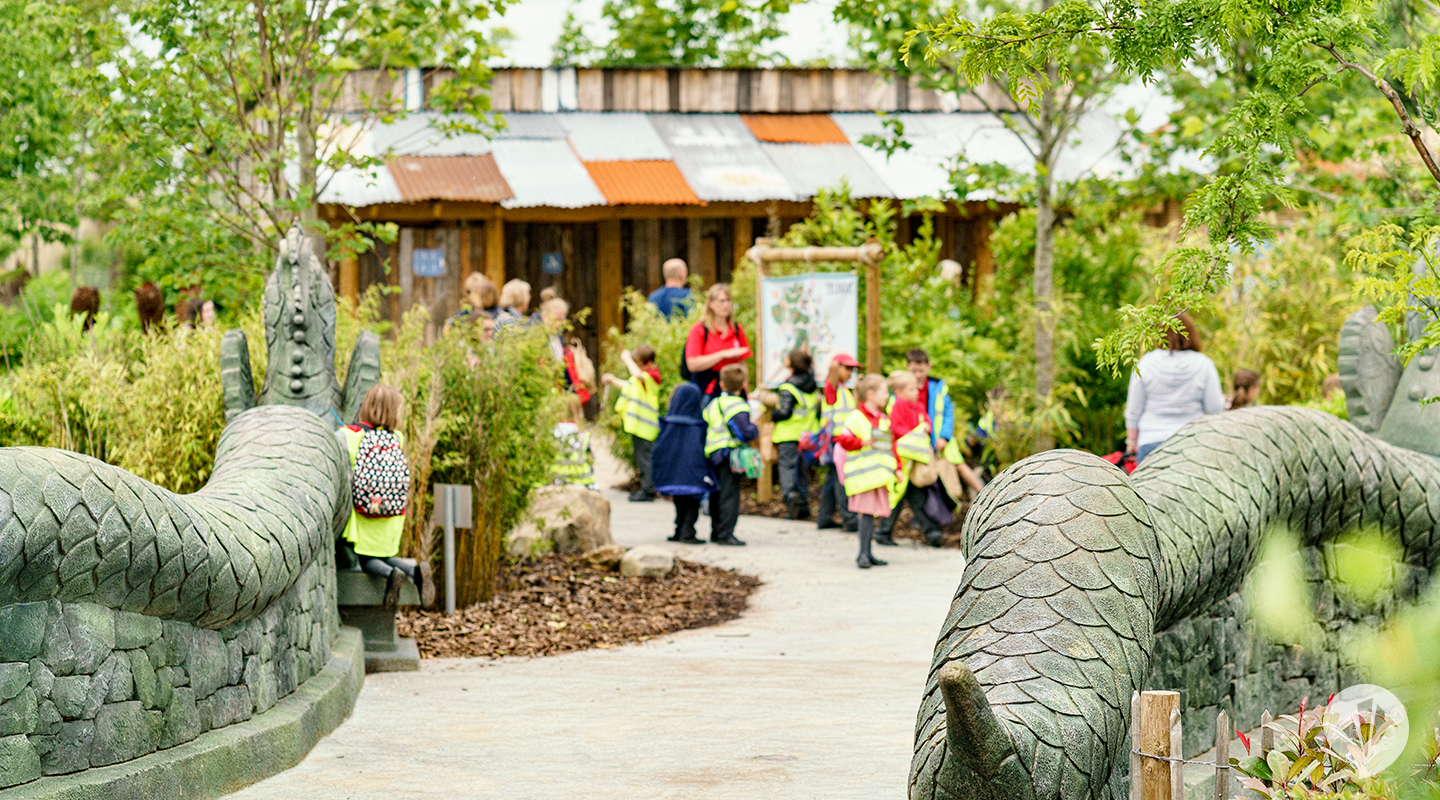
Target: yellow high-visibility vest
802,421
717,416
639,407
870,467
836,413
915,446
573,463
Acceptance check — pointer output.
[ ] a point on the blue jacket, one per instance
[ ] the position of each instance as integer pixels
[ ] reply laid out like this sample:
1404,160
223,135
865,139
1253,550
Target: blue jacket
678,457
941,410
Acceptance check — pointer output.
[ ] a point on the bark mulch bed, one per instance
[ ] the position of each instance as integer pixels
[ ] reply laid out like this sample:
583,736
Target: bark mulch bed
557,604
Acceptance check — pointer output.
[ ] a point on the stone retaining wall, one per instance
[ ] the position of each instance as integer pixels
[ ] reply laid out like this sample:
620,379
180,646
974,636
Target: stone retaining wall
83,685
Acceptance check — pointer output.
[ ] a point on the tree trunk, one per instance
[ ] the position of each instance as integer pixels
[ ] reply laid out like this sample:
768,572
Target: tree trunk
305,143
1045,265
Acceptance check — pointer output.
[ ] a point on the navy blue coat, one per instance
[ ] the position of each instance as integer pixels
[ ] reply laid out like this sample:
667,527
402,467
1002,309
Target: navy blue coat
678,457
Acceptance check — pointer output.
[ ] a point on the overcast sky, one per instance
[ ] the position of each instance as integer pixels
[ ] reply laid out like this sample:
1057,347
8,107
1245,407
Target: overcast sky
810,31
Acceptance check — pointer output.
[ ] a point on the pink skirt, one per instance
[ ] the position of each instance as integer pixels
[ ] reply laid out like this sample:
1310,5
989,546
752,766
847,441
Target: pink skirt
875,502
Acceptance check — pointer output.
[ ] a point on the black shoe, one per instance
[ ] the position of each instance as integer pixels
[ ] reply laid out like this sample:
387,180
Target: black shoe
729,541
804,510
875,562
685,539
827,524
935,538
862,563
392,589
419,580
641,496
792,507
851,527
885,539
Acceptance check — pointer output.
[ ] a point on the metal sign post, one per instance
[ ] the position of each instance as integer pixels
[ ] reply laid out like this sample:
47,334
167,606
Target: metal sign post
451,510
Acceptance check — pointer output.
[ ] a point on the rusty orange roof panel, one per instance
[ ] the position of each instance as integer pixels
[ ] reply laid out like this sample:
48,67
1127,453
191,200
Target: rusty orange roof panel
642,183
475,178
795,128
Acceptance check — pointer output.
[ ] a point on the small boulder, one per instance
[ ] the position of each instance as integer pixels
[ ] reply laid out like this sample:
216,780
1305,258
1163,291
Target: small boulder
646,562
606,557
576,519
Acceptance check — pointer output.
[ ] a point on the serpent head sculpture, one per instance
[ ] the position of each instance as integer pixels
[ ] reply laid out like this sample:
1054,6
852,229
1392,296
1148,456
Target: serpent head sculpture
227,595
1073,568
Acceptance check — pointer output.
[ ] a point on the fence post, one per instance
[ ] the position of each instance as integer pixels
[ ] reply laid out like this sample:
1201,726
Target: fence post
1135,746
1160,736
1222,756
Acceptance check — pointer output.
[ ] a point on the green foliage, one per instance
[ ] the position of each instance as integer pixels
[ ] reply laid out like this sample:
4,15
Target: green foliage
678,33
1317,753
149,404
1283,311
1401,275
646,326
1288,49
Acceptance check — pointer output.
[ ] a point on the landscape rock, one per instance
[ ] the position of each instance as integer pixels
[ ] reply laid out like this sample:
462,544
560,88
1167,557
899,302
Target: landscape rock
576,519
606,557
69,750
647,562
22,630
19,763
124,731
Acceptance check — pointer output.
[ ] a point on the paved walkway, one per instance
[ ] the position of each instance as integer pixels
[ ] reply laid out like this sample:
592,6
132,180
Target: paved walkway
811,694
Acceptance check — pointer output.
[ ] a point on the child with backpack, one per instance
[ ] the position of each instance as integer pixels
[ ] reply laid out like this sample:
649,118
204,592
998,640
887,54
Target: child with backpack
380,486
639,409
796,415
728,428
910,425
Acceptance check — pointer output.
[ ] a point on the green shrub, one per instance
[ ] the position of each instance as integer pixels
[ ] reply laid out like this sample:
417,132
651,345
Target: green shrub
646,326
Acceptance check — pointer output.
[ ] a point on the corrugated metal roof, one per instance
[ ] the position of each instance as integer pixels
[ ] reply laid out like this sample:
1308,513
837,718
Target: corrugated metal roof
545,172
360,187
795,128
642,182
450,178
812,167
530,125
720,158
415,135
614,136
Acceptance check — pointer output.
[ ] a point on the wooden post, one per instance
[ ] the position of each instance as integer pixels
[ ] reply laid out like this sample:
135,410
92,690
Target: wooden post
1222,756
693,258
611,279
1135,746
763,489
740,241
1177,750
871,260
495,249
407,275
350,279
1159,727
984,259
650,235
465,266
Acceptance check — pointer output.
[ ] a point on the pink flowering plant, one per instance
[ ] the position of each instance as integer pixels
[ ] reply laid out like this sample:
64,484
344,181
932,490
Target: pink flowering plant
1317,753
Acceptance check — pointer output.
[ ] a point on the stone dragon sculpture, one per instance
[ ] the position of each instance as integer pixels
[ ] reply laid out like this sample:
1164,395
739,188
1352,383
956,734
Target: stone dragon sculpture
1074,568
88,549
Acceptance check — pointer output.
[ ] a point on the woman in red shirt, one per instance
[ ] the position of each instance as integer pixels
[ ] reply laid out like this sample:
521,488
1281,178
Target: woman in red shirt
715,342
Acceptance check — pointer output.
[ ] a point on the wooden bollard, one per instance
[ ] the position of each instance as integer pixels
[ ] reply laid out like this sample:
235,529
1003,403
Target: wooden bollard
1222,756
1159,735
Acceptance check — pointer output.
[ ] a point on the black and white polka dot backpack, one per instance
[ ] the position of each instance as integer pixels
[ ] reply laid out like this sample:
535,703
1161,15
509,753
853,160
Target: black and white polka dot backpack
381,478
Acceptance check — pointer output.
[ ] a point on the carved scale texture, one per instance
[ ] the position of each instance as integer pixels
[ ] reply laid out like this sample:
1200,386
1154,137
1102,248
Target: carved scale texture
1073,567
78,530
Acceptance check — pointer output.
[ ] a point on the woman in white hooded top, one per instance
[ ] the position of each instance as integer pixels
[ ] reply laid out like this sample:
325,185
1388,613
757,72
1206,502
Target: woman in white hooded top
1169,388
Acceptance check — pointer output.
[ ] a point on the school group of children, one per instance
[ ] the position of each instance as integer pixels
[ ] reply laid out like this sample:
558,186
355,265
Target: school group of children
877,443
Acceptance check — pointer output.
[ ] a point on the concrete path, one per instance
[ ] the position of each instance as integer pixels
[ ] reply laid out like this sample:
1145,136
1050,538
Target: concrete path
811,694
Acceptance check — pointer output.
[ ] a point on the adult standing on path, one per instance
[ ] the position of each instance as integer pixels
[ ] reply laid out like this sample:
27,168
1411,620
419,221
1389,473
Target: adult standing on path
715,342
674,295
1169,388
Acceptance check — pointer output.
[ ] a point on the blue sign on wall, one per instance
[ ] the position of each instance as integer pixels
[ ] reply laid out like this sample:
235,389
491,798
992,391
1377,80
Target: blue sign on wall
552,263
428,262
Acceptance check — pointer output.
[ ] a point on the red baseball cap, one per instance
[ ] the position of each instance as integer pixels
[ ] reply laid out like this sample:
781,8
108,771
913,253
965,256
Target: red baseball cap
844,360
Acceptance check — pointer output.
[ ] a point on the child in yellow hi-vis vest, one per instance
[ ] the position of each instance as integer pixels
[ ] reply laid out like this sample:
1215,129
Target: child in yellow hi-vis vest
870,463
380,482
639,409
574,460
